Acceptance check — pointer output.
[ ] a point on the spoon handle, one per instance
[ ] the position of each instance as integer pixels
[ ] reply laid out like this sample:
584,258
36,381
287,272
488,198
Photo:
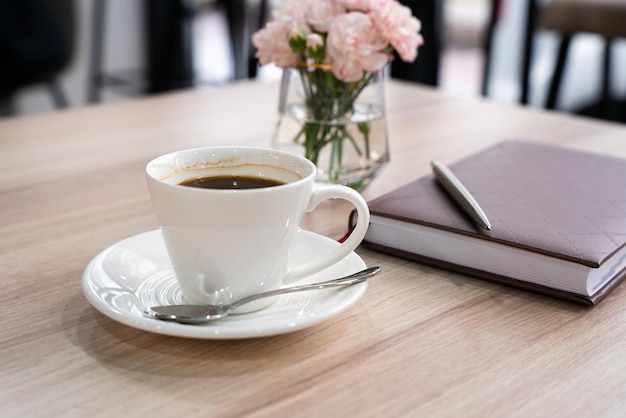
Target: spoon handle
343,281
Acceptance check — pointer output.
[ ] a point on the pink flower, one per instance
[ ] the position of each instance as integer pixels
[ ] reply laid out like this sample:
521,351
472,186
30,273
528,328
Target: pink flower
400,27
314,40
294,10
354,36
364,5
354,46
272,43
320,13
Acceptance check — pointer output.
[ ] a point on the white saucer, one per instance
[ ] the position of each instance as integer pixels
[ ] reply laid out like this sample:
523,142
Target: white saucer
136,273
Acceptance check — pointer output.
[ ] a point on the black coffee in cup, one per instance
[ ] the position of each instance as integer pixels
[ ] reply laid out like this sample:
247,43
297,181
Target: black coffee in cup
231,182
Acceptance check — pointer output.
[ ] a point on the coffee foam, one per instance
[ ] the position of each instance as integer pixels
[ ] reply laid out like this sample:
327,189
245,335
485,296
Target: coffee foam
199,170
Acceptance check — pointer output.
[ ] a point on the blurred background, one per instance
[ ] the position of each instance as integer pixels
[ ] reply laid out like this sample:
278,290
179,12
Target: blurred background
112,50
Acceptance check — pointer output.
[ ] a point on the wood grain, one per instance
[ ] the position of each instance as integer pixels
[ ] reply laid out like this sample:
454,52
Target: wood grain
421,342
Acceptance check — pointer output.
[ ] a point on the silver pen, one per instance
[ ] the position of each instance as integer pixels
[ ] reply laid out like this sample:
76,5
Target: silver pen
459,193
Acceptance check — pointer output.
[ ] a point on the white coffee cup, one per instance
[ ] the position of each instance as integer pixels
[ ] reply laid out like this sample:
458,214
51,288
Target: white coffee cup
227,244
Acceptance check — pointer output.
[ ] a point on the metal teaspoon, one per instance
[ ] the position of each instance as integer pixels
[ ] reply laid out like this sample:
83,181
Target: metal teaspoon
197,314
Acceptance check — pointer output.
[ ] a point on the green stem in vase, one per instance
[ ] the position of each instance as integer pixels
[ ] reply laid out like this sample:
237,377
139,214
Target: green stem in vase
365,128
329,106
336,159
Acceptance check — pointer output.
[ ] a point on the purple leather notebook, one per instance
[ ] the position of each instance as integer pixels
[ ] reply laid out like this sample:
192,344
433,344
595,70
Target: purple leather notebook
558,220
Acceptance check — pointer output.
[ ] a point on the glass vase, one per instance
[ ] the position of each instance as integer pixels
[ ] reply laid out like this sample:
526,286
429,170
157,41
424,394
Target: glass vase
339,126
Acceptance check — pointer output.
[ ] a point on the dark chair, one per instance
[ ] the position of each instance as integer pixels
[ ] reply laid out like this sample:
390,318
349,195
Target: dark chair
168,55
243,20
568,18
37,40
425,69
169,63
606,18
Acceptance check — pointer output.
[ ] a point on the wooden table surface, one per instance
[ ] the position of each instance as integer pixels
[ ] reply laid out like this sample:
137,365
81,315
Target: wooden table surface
421,341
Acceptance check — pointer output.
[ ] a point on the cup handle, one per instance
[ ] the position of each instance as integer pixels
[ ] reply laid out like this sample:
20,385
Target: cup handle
332,191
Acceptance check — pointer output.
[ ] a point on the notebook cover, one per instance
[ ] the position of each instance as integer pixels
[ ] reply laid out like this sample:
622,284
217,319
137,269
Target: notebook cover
556,201
560,202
